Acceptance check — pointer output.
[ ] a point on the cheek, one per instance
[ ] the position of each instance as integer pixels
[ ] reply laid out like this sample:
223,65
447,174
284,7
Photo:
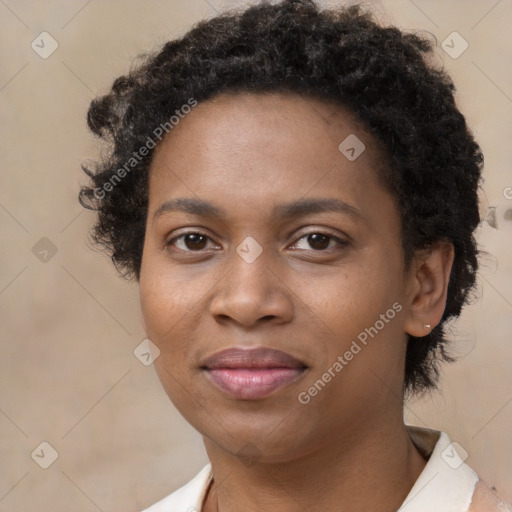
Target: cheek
164,308
358,295
172,312
164,299
362,308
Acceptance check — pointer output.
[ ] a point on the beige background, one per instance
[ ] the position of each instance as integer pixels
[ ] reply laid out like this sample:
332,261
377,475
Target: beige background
69,325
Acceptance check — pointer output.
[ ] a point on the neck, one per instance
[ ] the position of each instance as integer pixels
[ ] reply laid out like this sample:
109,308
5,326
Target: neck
373,469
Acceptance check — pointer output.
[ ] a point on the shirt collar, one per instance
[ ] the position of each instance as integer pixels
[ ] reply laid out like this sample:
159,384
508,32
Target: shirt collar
446,484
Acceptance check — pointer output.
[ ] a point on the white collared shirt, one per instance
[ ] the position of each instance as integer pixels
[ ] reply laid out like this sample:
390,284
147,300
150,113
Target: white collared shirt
446,483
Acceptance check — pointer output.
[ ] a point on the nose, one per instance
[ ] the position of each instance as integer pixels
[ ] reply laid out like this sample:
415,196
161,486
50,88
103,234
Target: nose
252,293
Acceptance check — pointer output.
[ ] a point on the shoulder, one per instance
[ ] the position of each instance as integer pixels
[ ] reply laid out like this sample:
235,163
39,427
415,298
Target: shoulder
187,498
447,483
486,500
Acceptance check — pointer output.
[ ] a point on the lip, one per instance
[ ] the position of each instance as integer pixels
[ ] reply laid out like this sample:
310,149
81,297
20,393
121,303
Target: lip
251,374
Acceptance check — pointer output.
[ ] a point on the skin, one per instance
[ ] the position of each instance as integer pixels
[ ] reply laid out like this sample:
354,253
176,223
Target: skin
247,153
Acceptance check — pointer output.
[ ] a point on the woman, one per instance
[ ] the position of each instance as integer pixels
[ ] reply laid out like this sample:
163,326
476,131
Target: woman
296,192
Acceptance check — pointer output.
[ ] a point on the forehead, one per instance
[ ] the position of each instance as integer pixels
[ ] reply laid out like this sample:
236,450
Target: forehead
227,119
267,147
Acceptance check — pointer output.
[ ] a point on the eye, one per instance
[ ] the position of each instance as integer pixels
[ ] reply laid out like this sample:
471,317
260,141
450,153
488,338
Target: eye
191,241
196,241
320,241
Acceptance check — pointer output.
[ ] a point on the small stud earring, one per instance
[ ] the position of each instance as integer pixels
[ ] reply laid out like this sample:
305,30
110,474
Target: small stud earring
427,326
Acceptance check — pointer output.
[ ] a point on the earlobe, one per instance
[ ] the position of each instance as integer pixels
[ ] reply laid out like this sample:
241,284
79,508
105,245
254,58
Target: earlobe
428,284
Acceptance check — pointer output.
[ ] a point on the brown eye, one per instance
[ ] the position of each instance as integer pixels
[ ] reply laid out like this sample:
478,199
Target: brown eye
318,241
192,241
195,241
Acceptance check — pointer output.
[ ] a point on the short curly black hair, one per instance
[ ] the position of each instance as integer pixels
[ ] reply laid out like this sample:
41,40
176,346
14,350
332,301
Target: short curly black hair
381,74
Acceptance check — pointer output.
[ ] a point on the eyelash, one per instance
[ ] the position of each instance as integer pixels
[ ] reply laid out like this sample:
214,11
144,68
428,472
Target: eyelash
341,243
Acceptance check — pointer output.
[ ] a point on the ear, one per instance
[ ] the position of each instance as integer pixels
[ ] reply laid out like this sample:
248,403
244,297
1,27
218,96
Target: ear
427,285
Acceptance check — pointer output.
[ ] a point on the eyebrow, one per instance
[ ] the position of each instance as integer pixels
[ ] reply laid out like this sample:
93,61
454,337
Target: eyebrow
285,211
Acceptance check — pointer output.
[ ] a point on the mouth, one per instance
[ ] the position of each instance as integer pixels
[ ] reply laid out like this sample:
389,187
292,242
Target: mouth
252,374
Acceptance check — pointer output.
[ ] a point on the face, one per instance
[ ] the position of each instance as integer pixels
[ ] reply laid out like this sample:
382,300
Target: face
285,242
